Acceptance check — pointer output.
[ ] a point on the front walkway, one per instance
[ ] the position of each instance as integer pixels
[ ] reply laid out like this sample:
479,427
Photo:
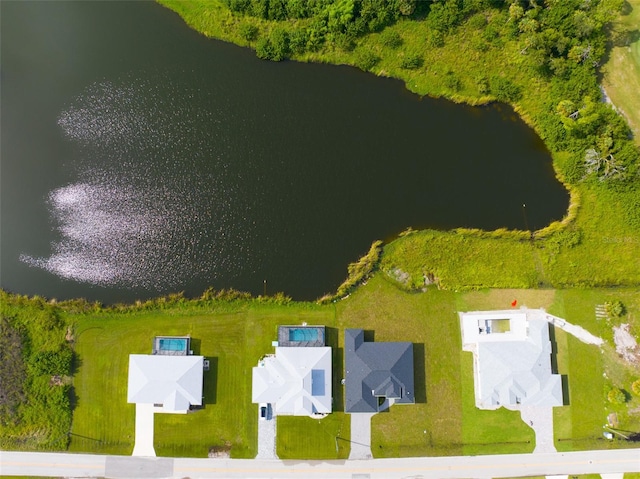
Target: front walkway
540,419
361,436
576,331
144,431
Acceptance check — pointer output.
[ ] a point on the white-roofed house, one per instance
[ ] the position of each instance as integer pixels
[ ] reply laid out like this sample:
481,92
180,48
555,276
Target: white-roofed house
512,358
296,381
171,383
167,381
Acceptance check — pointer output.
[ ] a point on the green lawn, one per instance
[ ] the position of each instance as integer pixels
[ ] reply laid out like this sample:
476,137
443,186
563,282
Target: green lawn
444,421
590,371
622,70
429,321
306,438
233,340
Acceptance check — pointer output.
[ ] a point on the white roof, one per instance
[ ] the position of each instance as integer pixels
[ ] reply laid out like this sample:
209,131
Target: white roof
296,381
173,381
512,367
474,323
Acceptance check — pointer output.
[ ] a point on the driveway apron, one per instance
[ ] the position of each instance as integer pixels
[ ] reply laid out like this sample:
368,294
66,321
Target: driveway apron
361,436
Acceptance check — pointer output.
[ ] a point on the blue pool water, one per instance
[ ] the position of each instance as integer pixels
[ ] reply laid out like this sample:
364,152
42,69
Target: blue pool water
172,344
303,334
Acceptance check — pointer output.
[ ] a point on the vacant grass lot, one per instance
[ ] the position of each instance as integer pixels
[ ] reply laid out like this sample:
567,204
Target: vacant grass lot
622,70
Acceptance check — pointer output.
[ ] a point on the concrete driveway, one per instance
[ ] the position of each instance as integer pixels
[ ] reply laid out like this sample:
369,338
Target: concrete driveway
144,431
361,436
540,419
267,437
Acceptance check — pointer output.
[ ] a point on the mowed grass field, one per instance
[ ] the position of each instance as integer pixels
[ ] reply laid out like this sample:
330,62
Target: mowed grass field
622,70
444,421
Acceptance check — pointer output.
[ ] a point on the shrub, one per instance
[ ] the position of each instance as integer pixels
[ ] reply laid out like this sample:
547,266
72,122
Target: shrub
264,49
366,60
614,309
12,370
274,48
616,396
635,387
298,41
452,81
413,61
478,21
52,362
482,84
435,39
504,89
248,31
391,39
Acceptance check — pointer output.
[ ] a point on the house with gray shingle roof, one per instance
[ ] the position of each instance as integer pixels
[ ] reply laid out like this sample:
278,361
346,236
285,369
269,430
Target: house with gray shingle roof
377,374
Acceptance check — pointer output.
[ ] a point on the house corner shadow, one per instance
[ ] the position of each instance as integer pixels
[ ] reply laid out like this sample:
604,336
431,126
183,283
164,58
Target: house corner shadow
565,390
419,373
554,349
195,345
337,370
210,387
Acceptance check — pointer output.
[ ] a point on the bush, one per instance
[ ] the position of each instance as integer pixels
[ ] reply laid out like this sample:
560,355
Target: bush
452,81
391,39
366,60
615,309
412,61
248,31
635,387
504,89
274,48
264,49
298,41
52,363
435,39
478,21
12,370
616,396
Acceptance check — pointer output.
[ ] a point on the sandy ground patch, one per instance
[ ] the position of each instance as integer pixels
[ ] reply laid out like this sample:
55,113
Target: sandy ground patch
626,345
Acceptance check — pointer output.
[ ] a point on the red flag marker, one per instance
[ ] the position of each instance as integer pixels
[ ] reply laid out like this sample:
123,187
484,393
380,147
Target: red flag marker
514,303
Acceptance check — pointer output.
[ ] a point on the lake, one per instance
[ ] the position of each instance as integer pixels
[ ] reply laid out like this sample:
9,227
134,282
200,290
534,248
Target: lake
140,158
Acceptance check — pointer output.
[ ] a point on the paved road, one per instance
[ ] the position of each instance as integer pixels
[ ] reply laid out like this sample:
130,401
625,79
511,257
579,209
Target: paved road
512,465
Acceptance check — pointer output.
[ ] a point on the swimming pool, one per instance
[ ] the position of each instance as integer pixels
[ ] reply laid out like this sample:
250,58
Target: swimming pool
172,344
303,334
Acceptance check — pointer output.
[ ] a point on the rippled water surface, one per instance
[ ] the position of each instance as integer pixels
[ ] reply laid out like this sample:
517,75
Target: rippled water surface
140,158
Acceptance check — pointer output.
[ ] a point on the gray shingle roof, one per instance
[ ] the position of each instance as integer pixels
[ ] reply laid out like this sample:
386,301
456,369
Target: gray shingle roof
375,370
